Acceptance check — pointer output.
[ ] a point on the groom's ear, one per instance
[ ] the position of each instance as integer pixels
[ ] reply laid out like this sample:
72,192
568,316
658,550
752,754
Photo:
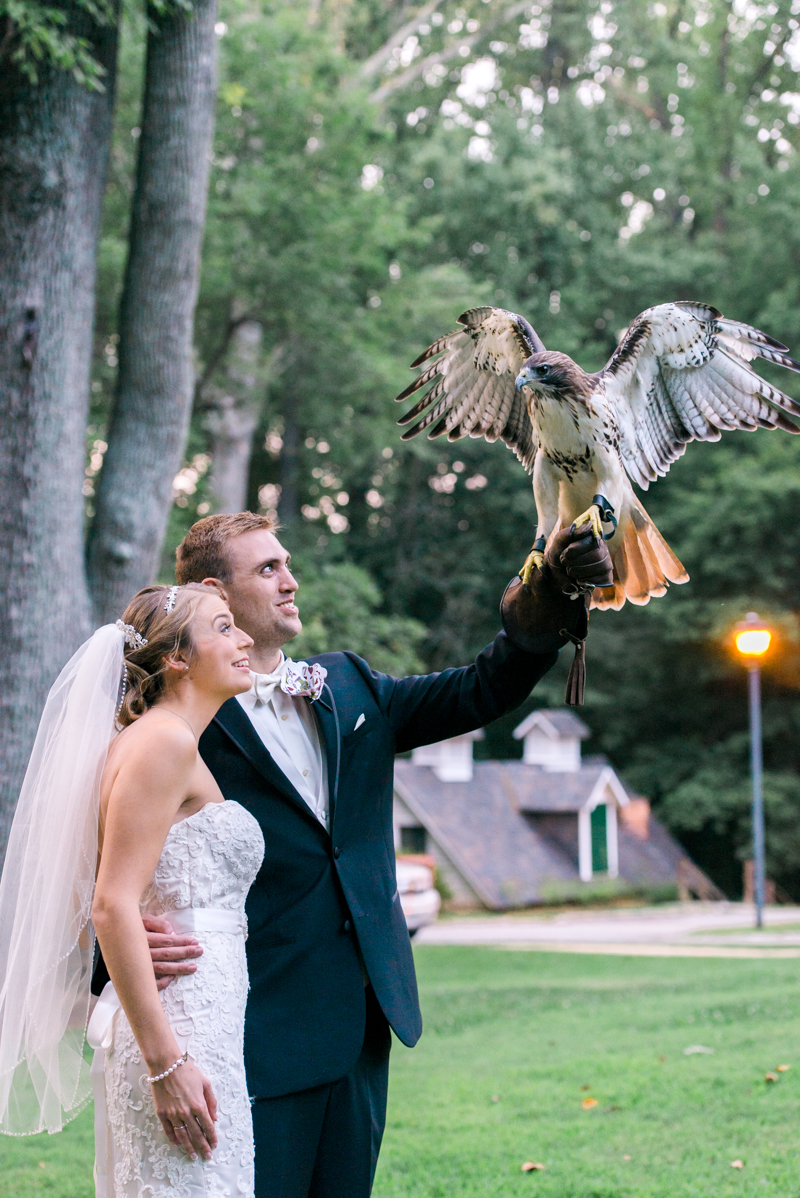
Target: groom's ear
215,582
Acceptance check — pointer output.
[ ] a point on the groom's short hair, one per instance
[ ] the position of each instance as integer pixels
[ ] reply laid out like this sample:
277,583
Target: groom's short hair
203,551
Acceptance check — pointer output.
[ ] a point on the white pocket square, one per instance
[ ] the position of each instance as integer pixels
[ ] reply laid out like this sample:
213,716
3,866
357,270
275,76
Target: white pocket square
360,721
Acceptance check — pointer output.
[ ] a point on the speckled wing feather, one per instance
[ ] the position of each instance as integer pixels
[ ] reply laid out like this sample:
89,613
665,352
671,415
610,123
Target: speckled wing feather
473,372
682,374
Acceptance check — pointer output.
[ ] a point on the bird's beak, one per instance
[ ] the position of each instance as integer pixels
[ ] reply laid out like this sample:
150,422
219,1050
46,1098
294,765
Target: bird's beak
524,377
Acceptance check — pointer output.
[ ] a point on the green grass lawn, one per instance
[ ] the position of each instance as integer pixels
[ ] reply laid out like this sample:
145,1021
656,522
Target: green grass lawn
540,1032
533,1029
58,1166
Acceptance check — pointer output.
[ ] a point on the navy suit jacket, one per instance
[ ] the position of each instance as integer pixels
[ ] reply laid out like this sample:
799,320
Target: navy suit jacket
324,908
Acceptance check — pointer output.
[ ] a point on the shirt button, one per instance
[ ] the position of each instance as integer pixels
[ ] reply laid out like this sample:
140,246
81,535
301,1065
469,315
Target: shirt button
347,925
284,717
305,773
336,851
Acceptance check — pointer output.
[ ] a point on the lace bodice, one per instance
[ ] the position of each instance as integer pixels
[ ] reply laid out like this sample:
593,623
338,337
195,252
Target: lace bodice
208,864
210,859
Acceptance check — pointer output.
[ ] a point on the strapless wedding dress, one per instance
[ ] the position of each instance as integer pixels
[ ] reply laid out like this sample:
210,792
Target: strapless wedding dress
209,862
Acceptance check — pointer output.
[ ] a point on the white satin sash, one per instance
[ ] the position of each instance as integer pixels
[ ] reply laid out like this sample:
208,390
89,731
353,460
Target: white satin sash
99,1033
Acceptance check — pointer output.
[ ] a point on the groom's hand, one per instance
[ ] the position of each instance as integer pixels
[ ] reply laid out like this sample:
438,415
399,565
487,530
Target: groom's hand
172,956
574,555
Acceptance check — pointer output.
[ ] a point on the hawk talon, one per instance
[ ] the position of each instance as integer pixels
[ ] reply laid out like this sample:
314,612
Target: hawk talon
601,512
593,516
534,558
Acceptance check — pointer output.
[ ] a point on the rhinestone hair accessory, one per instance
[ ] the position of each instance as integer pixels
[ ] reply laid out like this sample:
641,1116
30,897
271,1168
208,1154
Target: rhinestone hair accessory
123,690
133,639
168,606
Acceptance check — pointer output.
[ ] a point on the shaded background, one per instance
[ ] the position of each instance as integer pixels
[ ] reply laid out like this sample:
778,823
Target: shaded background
379,167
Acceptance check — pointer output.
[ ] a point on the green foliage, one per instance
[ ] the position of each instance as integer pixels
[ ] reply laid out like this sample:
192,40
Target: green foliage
578,164
37,34
340,611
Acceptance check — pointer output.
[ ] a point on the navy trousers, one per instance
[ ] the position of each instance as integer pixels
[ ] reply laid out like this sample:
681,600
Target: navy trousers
324,1142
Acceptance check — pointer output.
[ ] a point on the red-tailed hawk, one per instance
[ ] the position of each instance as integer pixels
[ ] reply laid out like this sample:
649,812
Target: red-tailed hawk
681,373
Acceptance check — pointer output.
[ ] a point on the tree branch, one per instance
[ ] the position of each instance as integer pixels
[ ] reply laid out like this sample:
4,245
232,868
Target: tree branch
372,65
633,101
219,354
768,62
398,82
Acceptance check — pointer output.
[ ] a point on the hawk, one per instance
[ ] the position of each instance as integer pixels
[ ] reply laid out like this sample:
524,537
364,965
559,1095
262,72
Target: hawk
680,373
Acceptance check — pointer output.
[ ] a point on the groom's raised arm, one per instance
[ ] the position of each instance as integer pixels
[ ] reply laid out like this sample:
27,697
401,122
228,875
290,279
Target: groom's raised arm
423,709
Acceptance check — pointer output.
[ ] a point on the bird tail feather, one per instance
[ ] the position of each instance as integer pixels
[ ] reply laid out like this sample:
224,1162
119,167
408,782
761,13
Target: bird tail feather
644,564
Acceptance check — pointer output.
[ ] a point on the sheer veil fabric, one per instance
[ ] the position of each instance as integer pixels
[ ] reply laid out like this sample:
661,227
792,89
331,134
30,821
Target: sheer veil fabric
46,891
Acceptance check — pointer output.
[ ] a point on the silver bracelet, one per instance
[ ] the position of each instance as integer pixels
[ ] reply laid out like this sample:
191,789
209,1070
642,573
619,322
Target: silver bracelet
180,1061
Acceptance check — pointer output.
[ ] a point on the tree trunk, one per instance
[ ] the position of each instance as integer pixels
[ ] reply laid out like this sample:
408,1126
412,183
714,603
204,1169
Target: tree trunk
232,420
151,413
54,143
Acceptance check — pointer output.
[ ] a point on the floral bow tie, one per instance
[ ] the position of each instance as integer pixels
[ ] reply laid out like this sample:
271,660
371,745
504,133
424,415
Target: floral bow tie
295,678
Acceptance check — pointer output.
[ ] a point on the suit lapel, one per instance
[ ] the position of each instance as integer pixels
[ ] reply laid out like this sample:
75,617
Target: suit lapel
233,720
328,722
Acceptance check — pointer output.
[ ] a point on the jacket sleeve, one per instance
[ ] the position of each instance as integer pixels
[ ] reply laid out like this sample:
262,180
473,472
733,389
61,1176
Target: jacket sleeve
426,708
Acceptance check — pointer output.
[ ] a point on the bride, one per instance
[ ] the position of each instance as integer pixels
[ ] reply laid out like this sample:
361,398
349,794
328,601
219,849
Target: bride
119,817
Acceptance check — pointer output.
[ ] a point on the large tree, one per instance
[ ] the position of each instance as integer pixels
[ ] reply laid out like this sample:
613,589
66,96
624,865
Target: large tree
54,142
155,382
56,109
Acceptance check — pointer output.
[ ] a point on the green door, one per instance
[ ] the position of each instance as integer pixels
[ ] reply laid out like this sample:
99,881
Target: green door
599,840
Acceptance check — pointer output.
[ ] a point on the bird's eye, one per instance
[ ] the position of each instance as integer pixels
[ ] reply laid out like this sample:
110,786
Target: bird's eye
544,370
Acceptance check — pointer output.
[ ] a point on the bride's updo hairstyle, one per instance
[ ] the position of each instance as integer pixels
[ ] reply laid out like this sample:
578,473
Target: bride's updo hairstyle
167,633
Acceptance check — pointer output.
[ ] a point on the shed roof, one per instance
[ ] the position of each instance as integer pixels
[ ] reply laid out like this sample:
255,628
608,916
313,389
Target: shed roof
477,824
647,861
557,724
536,789
481,826
509,859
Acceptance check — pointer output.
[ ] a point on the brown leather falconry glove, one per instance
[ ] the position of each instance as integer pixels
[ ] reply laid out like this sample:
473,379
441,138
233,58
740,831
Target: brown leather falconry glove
554,608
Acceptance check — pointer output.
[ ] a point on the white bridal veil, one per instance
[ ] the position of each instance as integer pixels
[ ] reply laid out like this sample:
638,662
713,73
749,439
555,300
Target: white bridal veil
46,890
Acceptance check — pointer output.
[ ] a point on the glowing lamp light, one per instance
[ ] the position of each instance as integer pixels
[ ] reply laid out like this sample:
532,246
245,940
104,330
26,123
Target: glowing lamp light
752,638
754,642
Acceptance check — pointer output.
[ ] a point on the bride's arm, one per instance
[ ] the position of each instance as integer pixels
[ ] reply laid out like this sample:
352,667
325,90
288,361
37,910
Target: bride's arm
154,768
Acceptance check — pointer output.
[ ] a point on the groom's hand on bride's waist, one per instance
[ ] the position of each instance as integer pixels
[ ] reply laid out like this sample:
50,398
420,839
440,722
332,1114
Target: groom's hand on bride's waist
172,955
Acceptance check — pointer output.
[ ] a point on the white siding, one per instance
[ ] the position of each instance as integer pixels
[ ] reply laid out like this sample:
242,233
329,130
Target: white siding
555,756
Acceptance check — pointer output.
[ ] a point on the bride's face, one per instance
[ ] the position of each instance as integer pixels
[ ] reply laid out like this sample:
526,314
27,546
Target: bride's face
219,663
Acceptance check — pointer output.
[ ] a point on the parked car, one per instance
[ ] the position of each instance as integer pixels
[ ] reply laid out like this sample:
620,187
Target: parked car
419,897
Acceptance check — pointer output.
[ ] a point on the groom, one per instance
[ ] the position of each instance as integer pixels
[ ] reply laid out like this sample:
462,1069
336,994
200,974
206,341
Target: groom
329,955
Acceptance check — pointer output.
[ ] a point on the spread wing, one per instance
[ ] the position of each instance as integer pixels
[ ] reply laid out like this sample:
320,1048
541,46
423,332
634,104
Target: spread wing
473,371
681,374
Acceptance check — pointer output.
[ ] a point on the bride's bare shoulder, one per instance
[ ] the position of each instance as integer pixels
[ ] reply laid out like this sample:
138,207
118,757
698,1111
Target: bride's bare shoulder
155,735
151,763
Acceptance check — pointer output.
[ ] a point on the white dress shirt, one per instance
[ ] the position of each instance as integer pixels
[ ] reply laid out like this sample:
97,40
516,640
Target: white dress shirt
287,728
